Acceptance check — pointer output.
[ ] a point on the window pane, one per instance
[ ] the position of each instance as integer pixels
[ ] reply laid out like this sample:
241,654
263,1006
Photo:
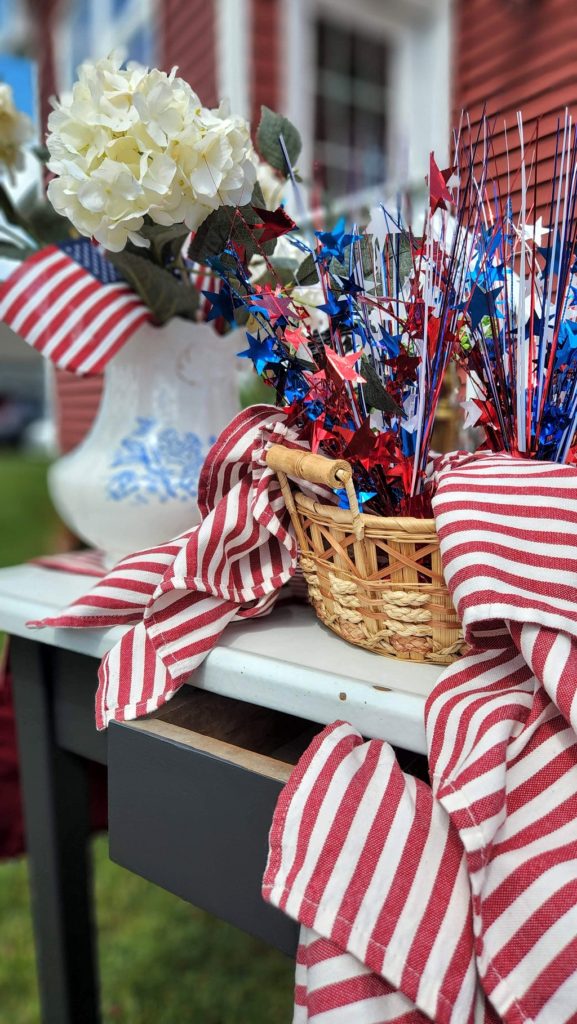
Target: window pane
140,46
82,44
6,12
119,6
350,108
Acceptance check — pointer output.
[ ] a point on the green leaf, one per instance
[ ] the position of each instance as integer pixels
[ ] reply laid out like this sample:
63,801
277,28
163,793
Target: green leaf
163,293
163,237
285,269
362,246
375,395
212,236
405,256
41,153
241,316
8,209
257,199
28,200
271,127
307,272
228,223
46,224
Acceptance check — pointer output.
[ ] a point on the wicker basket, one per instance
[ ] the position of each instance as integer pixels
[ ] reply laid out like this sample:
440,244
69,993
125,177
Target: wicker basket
377,582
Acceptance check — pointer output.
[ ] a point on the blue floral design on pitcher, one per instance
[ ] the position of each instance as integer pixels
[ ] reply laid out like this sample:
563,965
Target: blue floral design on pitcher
153,463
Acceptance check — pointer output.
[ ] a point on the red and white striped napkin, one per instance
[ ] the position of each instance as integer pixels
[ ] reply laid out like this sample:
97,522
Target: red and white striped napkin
89,562
460,901
180,596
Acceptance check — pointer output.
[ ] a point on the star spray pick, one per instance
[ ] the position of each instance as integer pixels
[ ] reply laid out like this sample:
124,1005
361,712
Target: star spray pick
520,345
356,339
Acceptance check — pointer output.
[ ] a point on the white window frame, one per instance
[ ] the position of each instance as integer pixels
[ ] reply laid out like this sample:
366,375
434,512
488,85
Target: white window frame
15,31
233,48
107,32
419,35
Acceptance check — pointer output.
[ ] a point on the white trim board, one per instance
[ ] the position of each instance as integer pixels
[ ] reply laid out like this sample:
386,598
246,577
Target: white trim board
419,32
233,45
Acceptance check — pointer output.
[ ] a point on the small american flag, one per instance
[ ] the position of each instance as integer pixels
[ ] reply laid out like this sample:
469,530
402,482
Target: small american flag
70,304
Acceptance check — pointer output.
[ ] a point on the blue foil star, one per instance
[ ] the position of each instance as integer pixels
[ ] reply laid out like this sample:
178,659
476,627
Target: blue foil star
295,387
362,497
568,334
261,352
222,305
336,241
480,305
390,342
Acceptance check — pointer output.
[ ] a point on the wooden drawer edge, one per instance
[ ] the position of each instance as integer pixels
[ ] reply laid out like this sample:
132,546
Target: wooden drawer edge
260,764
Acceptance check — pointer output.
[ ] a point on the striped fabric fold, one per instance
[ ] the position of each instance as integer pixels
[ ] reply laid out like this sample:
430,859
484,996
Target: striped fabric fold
463,899
89,562
366,859
501,724
123,594
180,597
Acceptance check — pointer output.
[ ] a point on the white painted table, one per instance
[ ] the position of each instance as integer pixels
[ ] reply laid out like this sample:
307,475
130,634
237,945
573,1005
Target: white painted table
288,662
182,815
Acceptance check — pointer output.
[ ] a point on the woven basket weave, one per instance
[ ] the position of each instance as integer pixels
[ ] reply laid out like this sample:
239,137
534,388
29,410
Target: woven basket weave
377,582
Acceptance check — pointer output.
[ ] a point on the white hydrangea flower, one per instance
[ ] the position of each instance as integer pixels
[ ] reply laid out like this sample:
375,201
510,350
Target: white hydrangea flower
311,296
15,131
271,183
127,143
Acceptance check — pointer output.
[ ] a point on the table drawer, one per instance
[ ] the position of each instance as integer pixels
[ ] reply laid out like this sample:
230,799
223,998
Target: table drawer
192,790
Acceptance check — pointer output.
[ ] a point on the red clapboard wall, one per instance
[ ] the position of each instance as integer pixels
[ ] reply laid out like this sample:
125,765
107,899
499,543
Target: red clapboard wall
188,40
266,56
515,55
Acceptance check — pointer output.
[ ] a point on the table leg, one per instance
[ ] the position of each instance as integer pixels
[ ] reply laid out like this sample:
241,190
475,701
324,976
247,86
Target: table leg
56,814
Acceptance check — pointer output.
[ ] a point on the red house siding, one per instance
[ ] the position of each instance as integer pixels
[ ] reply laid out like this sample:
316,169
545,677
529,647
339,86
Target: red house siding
43,15
266,56
514,56
76,402
188,39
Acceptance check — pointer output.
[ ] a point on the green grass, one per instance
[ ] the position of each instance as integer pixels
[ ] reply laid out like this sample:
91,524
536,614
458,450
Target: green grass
161,960
27,520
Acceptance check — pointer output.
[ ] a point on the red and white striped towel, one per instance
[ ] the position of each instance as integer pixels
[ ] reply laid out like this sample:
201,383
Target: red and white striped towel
368,862
181,595
88,562
463,900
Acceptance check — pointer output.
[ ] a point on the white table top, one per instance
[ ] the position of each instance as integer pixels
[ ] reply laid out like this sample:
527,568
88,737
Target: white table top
287,661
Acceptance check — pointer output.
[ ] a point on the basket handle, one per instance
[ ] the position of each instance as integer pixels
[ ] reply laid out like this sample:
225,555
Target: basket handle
316,469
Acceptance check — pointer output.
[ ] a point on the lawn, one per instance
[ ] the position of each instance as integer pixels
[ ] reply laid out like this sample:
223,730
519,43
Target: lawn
161,961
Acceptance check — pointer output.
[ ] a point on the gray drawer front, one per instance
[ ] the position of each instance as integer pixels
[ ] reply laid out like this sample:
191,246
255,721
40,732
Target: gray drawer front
196,825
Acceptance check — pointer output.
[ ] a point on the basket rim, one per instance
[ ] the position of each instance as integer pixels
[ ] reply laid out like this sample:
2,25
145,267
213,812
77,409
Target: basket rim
405,524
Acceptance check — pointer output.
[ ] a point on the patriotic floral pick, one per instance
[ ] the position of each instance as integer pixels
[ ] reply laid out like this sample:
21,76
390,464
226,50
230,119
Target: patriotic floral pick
520,345
364,384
